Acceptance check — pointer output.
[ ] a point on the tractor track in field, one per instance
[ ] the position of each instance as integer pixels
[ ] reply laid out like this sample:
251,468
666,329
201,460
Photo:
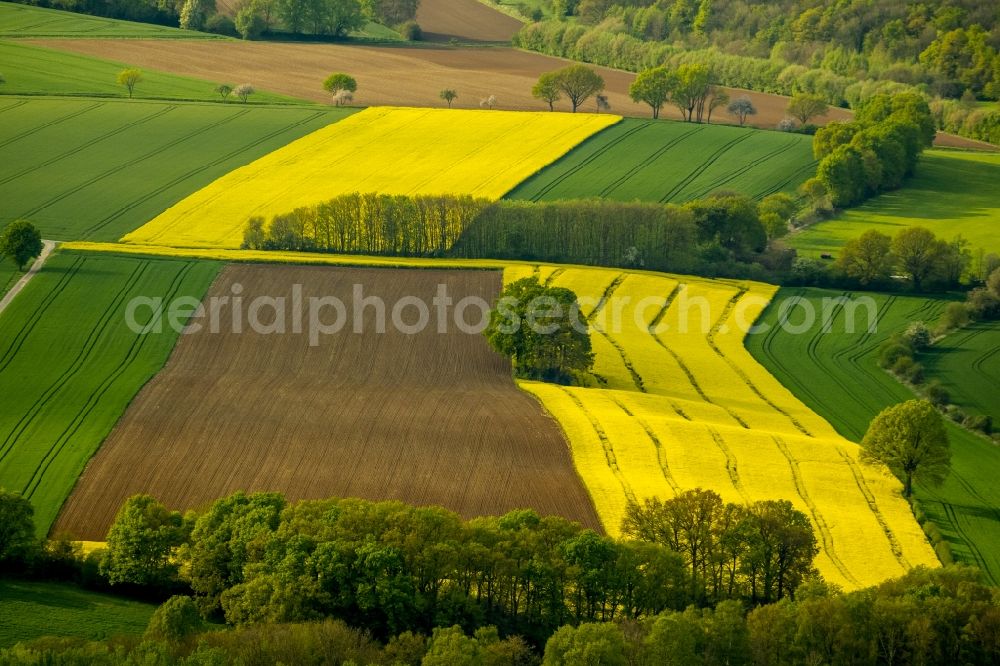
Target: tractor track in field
89,231
626,361
86,351
977,554
138,342
646,163
859,480
136,160
51,123
609,450
824,530
662,312
703,167
710,338
749,166
732,464
661,454
572,171
15,345
88,144
807,169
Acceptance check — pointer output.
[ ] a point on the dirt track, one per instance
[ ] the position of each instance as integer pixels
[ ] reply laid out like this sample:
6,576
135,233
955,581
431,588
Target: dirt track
465,20
401,76
426,418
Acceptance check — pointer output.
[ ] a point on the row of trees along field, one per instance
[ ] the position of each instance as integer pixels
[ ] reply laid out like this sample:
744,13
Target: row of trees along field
944,49
721,228
390,567
281,571
252,18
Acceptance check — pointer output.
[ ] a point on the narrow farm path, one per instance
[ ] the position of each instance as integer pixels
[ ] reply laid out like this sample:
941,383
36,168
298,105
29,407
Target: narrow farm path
47,247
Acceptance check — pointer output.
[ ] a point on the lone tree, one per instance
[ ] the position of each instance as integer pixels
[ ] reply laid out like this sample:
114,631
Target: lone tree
542,330
128,78
547,89
578,83
224,90
653,86
803,107
449,96
741,108
909,439
917,252
243,91
338,83
20,241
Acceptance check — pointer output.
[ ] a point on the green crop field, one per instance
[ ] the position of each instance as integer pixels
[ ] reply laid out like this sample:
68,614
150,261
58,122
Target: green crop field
837,375
8,275
670,161
34,70
27,21
30,610
952,193
97,169
69,364
968,364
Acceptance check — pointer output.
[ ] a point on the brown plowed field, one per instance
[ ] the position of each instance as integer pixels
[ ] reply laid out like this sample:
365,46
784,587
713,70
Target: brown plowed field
426,418
466,20
397,75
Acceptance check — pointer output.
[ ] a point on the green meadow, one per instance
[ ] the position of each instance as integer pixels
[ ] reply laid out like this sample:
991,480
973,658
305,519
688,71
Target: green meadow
18,20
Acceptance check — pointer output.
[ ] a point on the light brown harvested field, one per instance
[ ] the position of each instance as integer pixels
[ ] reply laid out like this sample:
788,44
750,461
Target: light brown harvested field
426,418
398,75
466,20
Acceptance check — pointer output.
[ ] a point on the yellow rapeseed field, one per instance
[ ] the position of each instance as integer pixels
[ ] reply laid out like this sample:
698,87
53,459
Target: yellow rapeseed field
382,149
678,403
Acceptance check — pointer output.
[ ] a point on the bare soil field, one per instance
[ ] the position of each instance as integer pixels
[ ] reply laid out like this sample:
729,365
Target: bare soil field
400,75
465,20
427,418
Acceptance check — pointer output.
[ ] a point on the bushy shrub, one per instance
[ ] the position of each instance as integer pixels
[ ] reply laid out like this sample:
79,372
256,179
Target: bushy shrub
938,394
411,31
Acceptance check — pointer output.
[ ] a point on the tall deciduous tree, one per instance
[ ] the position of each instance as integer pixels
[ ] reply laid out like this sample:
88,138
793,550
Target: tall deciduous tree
742,108
804,107
129,78
338,83
909,439
547,89
141,541
17,528
21,242
578,83
542,330
917,251
653,87
693,84
449,96
867,258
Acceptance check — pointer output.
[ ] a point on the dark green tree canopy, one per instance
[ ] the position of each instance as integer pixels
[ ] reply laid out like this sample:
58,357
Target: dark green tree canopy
21,242
542,330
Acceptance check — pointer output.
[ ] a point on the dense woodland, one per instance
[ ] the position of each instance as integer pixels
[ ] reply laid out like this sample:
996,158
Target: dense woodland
844,51
695,581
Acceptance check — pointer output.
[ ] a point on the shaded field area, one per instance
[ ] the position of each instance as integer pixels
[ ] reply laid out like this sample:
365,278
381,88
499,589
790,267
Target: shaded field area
465,20
952,193
70,364
18,20
30,610
97,169
677,403
427,418
836,373
669,161
34,70
967,363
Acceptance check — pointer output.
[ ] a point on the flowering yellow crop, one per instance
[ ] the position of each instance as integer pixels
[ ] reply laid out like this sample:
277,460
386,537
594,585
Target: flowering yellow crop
382,149
678,403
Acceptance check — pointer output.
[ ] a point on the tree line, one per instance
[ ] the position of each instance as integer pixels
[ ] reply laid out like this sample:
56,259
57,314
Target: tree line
943,50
